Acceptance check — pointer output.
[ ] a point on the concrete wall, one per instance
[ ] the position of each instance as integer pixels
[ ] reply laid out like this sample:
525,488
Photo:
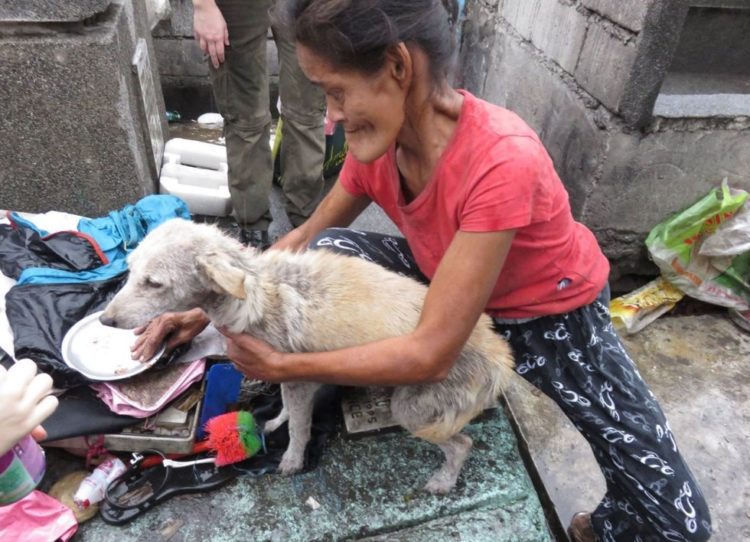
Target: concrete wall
78,127
586,75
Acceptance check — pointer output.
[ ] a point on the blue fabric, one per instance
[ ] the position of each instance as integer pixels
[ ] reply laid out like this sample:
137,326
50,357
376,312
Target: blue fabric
18,220
120,232
117,234
46,275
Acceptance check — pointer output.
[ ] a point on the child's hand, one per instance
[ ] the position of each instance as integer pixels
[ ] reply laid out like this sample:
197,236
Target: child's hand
25,402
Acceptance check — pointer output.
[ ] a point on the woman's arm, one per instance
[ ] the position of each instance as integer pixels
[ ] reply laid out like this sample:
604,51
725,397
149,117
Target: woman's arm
457,296
338,209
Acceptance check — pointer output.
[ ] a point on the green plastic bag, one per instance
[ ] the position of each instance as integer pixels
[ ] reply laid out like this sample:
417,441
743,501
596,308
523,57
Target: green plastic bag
333,159
674,245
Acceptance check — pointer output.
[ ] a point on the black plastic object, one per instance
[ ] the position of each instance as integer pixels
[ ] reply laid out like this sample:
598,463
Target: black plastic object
5,359
327,418
41,314
21,248
81,413
137,491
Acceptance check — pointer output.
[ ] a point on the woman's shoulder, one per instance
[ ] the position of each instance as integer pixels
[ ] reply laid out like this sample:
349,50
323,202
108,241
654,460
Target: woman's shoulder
492,134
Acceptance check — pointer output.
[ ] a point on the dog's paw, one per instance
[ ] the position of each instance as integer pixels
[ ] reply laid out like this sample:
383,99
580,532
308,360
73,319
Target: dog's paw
290,464
439,484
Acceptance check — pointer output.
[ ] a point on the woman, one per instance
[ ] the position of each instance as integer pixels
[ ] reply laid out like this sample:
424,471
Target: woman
487,222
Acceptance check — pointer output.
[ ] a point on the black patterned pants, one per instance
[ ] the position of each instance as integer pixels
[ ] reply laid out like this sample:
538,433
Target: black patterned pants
578,360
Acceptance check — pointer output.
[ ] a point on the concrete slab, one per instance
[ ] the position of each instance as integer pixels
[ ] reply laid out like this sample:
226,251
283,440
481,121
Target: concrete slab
693,95
368,488
51,10
682,106
697,366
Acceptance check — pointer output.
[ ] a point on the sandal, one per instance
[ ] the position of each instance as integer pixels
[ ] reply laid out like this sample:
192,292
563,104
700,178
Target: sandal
137,491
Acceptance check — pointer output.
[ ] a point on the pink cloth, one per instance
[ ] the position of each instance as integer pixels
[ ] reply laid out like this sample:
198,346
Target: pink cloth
146,394
37,518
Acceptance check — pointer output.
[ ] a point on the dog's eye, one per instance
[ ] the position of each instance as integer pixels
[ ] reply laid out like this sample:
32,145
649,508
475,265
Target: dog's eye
152,283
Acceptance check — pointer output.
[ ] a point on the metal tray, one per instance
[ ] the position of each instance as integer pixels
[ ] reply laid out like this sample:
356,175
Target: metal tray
136,439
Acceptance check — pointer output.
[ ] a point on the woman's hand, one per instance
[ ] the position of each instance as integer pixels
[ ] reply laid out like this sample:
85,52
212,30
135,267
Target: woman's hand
176,328
253,357
296,241
337,210
210,30
25,402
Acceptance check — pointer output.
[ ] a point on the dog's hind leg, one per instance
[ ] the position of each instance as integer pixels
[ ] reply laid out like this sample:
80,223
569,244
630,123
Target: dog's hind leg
437,413
456,449
298,402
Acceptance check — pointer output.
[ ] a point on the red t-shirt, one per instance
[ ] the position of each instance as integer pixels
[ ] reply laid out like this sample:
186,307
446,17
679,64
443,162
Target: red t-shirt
494,175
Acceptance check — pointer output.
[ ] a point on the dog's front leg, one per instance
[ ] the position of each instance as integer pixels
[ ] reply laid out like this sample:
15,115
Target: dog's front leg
273,425
298,402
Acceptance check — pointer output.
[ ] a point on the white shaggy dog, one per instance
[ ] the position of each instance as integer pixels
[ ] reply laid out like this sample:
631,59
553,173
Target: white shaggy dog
312,301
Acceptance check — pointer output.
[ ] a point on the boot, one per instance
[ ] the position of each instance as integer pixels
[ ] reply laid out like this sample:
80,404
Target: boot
255,238
580,529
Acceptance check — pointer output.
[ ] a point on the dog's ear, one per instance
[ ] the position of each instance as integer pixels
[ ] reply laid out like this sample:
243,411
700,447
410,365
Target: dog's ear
224,277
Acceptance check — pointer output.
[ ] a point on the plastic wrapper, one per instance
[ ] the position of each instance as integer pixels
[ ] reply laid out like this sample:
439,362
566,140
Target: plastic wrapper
676,246
634,311
37,518
732,238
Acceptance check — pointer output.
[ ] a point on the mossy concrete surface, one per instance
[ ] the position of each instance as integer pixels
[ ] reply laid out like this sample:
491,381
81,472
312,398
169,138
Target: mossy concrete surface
368,488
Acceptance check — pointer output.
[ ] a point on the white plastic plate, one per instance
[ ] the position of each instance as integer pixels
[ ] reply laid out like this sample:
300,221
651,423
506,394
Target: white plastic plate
101,352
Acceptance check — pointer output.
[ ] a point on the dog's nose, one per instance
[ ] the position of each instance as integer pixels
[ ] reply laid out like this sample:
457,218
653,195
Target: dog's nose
108,320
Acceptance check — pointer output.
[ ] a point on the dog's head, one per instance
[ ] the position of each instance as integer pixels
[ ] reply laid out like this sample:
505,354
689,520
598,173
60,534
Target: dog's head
180,265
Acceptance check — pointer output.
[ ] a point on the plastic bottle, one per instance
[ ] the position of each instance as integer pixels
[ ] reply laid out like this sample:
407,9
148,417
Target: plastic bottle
92,488
21,469
173,116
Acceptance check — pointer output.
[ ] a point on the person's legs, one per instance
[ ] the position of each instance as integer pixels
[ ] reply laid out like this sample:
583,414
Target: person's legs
240,86
303,141
387,250
578,360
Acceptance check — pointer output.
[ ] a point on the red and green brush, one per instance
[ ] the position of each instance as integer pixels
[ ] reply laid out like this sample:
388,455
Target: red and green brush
233,436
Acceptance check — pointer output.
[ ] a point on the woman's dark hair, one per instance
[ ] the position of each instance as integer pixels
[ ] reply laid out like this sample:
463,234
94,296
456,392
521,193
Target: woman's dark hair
357,34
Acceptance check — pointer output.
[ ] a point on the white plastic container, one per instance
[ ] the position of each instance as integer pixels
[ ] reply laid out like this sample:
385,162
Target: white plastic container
94,486
196,172
196,153
211,120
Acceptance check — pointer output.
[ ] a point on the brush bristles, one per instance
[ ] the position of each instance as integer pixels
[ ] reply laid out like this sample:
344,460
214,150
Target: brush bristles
234,437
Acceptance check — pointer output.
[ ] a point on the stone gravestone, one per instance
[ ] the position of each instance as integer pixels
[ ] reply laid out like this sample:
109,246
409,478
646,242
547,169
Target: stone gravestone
81,110
367,409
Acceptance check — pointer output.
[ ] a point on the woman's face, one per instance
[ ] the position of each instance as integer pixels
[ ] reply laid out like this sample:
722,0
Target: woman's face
369,107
